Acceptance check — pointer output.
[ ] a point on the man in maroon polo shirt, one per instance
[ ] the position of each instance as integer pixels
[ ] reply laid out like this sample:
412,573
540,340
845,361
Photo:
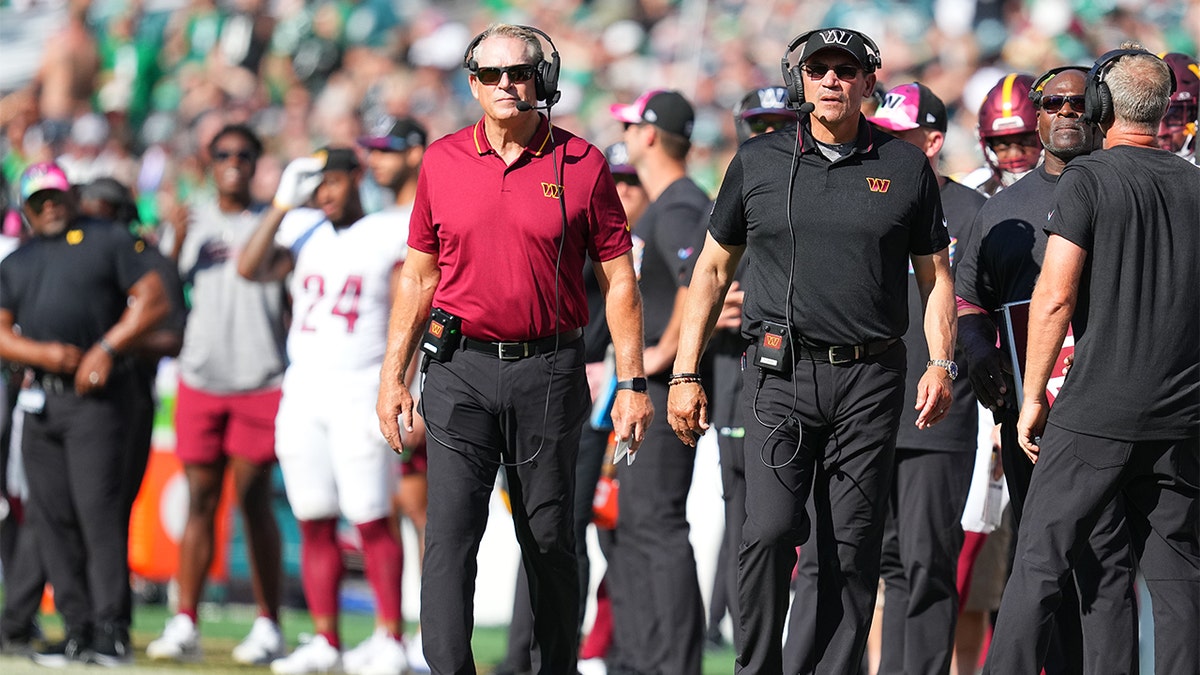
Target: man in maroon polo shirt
507,209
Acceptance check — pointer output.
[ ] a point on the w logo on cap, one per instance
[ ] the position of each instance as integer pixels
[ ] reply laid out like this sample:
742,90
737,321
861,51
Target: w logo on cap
836,36
879,184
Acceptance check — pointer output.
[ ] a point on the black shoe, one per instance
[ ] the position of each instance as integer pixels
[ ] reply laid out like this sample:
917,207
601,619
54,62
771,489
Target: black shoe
16,645
111,647
60,654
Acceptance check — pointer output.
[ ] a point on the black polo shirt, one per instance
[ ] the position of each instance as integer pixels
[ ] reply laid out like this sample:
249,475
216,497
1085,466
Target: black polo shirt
73,287
856,221
956,433
666,242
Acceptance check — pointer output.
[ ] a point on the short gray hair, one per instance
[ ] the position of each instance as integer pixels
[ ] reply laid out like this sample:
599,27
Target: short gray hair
533,45
1141,88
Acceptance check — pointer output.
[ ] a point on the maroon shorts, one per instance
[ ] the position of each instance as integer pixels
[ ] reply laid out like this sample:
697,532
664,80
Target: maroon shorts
413,461
210,426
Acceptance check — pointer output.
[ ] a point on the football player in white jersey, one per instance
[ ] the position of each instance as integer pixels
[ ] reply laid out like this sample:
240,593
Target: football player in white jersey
343,266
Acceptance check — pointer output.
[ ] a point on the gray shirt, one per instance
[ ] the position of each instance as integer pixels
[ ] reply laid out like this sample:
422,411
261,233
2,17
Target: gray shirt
235,335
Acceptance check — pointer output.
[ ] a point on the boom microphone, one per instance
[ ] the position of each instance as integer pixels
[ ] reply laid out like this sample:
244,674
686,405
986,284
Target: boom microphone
804,109
524,106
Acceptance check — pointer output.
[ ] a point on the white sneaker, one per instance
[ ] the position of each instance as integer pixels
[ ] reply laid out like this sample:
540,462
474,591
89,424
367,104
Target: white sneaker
354,660
262,645
315,656
416,655
179,641
387,657
595,666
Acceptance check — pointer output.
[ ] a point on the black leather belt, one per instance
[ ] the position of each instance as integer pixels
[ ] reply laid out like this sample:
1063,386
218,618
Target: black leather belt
843,354
513,351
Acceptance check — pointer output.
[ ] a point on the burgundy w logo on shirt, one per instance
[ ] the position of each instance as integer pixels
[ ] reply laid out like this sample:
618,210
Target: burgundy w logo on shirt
879,184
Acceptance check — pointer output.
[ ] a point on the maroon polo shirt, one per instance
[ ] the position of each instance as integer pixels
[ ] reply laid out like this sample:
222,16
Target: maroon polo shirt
495,230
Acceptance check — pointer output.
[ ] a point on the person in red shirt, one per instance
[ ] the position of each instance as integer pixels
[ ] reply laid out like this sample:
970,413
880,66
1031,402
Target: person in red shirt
507,211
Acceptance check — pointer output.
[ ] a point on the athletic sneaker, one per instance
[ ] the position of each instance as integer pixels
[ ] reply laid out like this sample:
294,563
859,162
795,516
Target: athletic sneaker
111,647
263,645
416,655
61,654
354,659
592,666
180,641
386,658
314,656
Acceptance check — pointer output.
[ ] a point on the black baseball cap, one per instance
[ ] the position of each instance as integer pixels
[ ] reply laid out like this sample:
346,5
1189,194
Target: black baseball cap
337,159
114,193
667,110
765,101
618,160
396,135
841,39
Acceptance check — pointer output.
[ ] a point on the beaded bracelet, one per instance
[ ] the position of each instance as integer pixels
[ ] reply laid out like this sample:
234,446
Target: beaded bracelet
683,378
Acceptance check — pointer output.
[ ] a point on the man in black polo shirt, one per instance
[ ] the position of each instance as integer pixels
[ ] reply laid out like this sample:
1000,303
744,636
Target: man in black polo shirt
82,295
661,627
831,223
1120,267
1000,265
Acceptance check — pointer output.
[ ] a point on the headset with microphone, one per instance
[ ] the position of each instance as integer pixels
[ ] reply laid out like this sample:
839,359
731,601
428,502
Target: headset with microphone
793,79
1098,102
545,75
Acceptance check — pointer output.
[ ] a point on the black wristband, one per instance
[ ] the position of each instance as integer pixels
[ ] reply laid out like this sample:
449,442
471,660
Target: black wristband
637,384
684,376
111,350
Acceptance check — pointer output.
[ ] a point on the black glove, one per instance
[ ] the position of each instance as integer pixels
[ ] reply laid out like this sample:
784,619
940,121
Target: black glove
985,362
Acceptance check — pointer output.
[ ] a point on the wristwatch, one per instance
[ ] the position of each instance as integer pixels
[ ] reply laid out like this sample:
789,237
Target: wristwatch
637,384
950,366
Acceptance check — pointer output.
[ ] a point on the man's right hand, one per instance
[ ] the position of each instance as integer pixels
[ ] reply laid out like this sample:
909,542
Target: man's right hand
687,411
61,358
299,180
394,407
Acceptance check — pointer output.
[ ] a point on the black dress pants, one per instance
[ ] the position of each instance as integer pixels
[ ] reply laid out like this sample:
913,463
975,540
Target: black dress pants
1077,476
75,459
829,430
481,411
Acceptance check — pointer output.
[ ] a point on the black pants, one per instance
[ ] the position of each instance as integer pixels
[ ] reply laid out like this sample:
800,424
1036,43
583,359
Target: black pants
1076,476
1097,613
519,655
727,418
838,443
661,598
75,460
479,411
920,561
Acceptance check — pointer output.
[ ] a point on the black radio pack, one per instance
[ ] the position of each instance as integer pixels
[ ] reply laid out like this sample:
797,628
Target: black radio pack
443,336
773,350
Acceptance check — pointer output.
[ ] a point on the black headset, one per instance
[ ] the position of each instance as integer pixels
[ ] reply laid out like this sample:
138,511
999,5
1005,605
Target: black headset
1035,92
792,78
545,77
1097,97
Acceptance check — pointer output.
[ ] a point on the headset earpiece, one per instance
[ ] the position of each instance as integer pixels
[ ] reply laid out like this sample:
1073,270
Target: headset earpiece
1097,97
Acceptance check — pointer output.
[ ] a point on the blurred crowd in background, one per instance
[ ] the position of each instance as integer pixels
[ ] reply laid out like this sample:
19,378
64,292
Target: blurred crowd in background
134,89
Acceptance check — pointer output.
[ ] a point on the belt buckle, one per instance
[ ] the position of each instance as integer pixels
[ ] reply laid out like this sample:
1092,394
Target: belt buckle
512,351
855,354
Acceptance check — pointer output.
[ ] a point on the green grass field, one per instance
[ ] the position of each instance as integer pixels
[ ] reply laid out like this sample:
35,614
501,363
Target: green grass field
224,625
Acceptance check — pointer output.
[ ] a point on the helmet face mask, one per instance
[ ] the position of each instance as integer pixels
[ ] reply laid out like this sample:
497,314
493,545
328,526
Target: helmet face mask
1177,131
1008,129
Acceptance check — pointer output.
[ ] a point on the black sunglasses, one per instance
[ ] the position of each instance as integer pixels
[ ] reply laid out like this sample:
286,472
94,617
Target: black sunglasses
762,126
1053,104
242,155
844,72
491,75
